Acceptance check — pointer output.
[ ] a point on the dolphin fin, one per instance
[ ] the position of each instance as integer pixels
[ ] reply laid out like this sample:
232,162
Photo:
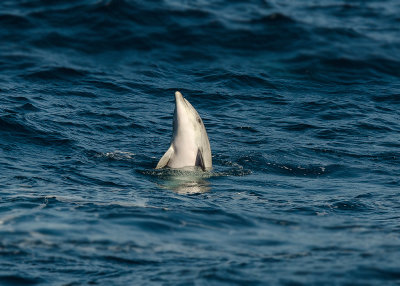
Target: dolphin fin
200,160
165,158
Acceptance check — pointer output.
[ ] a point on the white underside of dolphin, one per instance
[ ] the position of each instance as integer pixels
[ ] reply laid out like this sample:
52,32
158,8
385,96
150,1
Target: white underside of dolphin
190,146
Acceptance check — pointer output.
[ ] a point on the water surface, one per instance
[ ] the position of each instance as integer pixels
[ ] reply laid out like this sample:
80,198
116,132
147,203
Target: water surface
301,104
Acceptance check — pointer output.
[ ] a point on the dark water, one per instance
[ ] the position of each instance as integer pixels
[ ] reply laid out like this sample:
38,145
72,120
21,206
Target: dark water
301,102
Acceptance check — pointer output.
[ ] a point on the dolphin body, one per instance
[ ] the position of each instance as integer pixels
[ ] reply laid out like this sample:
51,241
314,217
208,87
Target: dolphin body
190,146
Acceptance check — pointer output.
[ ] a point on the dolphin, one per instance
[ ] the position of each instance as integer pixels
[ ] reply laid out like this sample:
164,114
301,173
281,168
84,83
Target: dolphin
190,146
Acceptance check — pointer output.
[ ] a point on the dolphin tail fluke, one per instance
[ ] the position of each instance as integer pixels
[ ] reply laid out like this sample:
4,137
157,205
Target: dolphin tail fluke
164,159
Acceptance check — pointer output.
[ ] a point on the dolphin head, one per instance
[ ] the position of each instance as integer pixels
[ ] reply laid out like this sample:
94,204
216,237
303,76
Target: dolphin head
187,121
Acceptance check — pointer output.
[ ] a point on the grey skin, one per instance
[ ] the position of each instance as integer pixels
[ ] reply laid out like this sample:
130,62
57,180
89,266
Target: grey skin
190,146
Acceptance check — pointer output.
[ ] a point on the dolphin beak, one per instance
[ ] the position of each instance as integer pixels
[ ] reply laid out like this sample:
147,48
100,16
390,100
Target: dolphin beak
178,97
180,103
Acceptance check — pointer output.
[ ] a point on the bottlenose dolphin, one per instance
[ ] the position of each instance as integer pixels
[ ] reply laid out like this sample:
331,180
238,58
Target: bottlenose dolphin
189,144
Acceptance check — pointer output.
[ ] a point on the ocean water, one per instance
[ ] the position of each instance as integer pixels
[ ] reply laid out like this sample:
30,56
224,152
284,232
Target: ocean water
301,103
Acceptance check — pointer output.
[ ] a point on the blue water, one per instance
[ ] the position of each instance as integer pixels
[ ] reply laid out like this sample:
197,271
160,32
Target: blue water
301,103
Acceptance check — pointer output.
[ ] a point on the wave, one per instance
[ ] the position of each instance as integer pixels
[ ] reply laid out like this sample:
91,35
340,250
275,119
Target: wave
20,280
56,73
13,128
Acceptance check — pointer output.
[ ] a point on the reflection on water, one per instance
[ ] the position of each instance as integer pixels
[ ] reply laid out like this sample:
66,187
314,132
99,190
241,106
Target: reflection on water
187,187
185,181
